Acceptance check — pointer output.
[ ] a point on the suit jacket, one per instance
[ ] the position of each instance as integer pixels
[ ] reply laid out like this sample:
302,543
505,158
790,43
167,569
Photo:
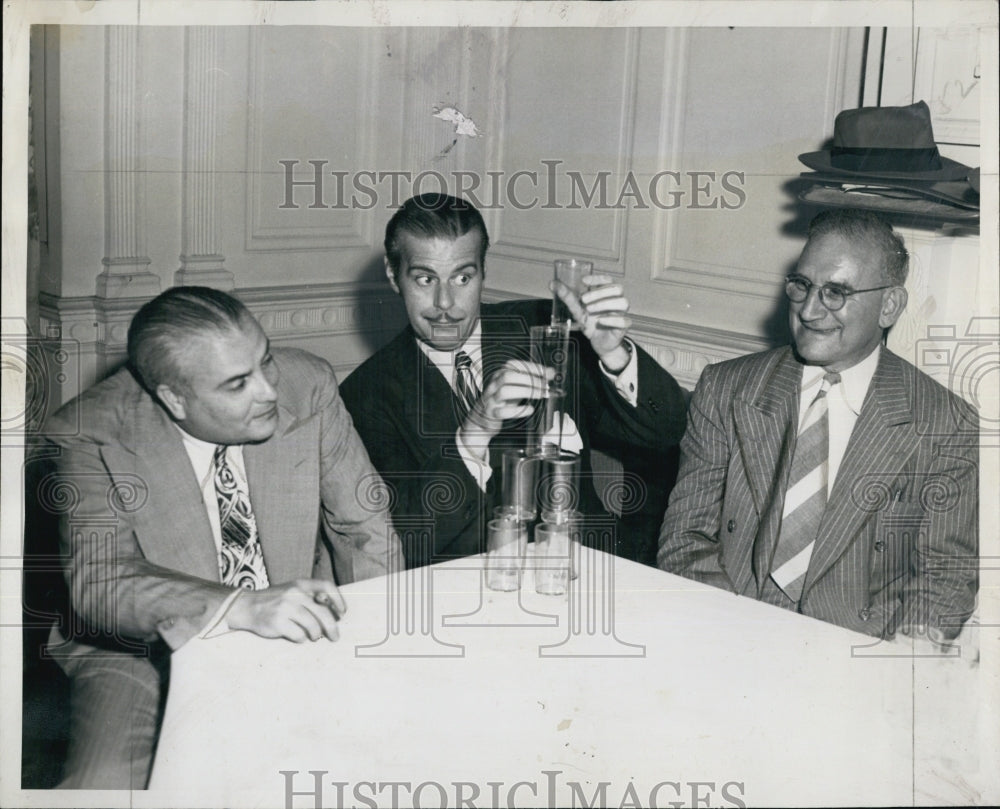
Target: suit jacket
139,555
898,544
407,416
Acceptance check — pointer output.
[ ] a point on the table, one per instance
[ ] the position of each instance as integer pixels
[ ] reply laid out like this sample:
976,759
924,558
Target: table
638,687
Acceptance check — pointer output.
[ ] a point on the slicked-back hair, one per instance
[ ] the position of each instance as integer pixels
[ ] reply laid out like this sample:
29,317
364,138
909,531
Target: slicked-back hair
872,231
433,216
164,326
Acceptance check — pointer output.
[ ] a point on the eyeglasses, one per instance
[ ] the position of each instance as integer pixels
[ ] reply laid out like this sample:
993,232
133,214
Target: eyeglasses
832,296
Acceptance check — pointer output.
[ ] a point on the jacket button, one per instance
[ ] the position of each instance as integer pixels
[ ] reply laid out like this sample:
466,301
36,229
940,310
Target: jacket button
731,526
653,405
879,545
864,614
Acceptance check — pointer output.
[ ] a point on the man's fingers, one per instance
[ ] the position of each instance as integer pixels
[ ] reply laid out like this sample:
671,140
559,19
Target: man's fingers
609,292
597,279
567,296
326,594
613,322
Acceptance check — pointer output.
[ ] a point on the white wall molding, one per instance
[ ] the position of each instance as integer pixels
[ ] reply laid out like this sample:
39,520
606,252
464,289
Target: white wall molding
126,265
348,226
530,250
201,261
682,349
94,329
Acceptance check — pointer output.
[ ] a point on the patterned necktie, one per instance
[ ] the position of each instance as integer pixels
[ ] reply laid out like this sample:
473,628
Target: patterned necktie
241,561
465,383
805,495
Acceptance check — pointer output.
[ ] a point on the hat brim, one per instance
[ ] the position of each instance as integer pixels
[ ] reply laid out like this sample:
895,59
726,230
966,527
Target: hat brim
950,169
954,192
831,196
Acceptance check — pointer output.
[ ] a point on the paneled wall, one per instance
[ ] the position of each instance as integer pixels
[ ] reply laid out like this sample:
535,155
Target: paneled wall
268,160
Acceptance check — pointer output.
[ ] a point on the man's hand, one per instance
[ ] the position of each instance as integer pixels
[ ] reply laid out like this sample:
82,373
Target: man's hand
601,315
306,609
508,395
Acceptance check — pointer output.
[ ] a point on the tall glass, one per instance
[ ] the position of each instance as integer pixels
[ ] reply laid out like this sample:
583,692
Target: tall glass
517,484
550,347
551,560
569,271
506,543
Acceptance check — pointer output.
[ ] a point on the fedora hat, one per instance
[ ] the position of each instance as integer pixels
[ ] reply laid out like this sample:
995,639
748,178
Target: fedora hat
894,143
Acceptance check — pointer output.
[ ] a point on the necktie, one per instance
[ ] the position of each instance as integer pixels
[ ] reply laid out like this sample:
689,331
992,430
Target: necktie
465,383
805,495
241,561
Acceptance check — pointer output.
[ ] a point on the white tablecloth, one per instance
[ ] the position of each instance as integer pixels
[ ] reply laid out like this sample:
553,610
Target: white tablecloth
638,687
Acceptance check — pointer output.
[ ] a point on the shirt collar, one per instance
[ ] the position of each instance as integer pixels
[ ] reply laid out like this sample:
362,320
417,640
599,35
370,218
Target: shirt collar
854,381
202,454
445,360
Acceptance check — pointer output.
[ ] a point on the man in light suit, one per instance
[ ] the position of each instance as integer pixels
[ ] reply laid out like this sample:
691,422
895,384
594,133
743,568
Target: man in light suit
872,525
213,485
443,463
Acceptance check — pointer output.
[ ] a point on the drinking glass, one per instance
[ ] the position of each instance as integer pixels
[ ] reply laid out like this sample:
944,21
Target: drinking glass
517,484
552,558
550,346
506,542
569,271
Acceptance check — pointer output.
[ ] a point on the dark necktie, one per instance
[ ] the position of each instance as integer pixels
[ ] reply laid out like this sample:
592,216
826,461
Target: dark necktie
465,383
241,561
805,495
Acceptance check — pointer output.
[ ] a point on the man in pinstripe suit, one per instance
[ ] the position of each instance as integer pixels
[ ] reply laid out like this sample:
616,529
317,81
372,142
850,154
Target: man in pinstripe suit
887,539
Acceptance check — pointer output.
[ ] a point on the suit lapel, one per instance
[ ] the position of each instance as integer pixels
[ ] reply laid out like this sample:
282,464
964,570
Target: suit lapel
277,470
428,399
172,528
879,445
764,417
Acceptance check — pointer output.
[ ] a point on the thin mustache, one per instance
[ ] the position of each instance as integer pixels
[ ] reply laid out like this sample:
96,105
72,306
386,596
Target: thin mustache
445,319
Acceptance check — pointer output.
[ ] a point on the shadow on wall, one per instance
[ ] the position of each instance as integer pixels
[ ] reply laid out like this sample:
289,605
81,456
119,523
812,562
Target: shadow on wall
381,314
775,325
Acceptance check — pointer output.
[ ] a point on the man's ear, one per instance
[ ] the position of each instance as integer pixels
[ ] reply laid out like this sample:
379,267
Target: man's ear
391,276
174,402
893,304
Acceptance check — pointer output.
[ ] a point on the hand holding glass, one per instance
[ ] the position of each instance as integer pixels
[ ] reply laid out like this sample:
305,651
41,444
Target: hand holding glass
570,272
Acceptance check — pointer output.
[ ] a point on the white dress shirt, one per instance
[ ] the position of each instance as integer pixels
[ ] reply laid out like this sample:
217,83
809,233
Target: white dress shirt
844,402
202,457
626,382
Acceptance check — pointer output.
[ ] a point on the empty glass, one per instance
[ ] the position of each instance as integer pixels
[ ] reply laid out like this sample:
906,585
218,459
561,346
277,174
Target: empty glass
552,557
569,271
506,542
550,346
517,484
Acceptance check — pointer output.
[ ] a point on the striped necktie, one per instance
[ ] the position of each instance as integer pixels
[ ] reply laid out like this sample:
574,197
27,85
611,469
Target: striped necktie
465,383
805,495
241,560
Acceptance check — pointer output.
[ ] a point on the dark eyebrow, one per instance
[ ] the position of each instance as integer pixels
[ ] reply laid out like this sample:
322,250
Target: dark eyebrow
421,268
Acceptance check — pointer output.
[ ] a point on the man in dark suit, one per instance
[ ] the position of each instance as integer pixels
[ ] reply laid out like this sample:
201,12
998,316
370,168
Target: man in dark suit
831,477
212,485
438,442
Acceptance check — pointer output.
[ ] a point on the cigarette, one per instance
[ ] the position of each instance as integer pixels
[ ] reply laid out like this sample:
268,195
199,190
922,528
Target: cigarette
324,600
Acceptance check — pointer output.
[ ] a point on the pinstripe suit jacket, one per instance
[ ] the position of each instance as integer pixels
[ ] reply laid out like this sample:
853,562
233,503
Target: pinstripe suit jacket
898,544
